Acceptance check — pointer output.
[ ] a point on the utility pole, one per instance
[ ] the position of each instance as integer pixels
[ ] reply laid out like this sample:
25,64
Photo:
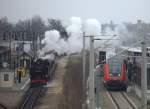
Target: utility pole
10,41
91,81
97,82
144,76
83,59
91,75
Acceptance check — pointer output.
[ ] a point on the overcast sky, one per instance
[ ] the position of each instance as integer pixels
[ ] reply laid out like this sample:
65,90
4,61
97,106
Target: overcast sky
103,10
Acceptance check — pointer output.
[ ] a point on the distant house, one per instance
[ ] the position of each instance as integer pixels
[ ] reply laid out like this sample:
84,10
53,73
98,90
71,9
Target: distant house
14,53
25,59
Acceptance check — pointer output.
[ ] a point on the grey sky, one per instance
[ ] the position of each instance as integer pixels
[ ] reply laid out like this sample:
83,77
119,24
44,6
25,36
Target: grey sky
103,10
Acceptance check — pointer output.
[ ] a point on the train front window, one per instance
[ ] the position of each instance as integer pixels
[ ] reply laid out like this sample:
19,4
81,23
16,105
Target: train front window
114,66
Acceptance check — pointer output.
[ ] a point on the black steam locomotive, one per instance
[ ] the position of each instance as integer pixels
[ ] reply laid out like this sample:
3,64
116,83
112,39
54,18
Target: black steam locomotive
41,71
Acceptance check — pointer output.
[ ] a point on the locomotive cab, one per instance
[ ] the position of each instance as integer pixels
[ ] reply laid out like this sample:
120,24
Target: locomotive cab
114,74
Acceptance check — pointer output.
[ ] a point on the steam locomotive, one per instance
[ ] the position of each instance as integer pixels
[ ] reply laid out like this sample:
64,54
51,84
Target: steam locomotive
41,71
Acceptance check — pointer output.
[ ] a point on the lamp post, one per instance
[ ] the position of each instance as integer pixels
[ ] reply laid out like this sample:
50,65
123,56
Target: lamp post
10,41
84,79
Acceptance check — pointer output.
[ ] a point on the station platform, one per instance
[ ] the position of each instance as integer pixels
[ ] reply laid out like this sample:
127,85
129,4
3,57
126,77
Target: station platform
134,97
23,85
106,103
12,97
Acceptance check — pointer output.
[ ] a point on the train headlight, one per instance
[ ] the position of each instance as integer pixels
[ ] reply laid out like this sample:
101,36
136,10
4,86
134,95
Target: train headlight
110,74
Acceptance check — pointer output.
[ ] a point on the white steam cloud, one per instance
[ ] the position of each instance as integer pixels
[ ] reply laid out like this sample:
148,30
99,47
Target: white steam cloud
92,27
75,35
52,39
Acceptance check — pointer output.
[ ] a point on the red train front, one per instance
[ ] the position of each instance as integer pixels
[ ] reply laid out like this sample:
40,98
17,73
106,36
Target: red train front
115,73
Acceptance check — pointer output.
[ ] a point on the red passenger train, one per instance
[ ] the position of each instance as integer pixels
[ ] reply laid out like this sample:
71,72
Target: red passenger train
114,70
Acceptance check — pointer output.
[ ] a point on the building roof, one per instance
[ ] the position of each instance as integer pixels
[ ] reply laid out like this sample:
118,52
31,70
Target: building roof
26,54
131,49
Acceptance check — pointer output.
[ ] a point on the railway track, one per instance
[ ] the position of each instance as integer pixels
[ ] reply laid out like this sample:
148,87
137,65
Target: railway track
3,106
120,100
31,97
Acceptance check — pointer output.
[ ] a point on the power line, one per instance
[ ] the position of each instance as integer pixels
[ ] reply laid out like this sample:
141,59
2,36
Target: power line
107,41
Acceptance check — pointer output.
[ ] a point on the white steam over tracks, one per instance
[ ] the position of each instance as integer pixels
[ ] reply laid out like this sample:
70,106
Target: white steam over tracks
73,44
53,41
92,27
75,35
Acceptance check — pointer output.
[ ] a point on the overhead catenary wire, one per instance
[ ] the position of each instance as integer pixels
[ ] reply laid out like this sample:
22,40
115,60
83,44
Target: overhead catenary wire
129,48
135,44
107,41
119,53
139,41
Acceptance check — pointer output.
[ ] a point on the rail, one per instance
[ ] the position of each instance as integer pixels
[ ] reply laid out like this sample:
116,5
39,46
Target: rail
3,106
121,101
128,100
31,98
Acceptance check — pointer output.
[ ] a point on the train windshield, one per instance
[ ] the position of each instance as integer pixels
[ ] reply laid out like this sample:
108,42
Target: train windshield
114,66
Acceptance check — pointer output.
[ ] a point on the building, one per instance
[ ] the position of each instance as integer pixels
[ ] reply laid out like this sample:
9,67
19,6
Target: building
6,74
13,55
134,57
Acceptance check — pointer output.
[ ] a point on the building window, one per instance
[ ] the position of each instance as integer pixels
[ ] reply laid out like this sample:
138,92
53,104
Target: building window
6,77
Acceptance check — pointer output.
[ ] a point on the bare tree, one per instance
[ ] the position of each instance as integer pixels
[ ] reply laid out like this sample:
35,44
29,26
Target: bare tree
135,31
57,25
5,26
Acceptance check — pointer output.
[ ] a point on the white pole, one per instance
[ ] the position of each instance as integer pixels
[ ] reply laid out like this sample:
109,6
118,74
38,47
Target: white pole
83,57
92,87
144,77
84,82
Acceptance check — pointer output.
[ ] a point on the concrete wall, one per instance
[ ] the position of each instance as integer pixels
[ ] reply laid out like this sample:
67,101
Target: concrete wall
138,92
6,79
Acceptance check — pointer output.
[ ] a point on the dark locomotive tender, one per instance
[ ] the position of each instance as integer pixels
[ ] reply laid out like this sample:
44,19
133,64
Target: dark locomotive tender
41,71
